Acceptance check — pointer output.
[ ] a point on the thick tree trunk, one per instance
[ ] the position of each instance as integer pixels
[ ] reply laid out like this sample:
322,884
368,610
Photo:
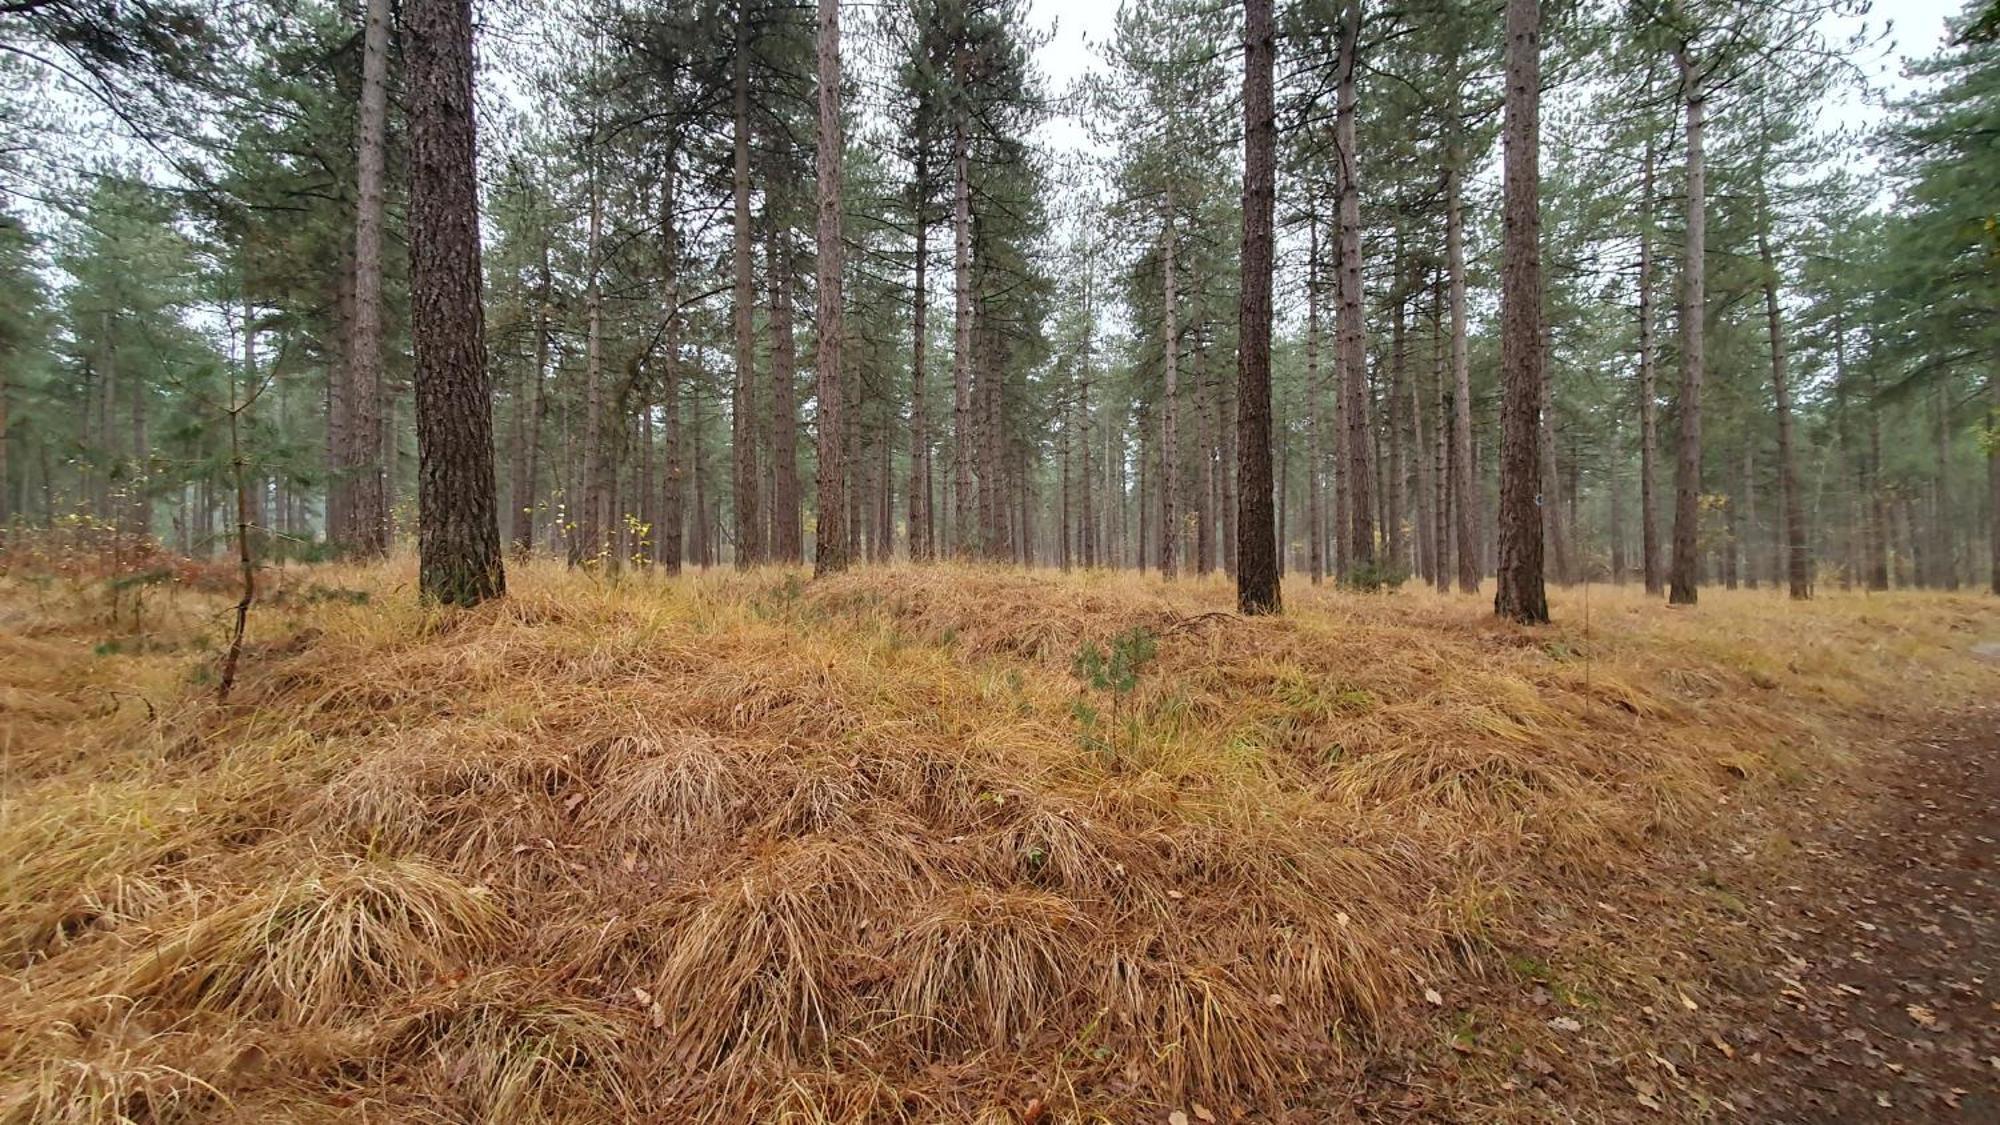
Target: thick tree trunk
458,532
744,481
1257,589
1353,349
830,552
1519,594
1681,578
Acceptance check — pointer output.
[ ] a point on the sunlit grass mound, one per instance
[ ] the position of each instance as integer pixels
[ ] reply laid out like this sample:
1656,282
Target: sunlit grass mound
726,847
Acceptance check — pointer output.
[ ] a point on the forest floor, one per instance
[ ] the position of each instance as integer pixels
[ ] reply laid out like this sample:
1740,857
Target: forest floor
971,844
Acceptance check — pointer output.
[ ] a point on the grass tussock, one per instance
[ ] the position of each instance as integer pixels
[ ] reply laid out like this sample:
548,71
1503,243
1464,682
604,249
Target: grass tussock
741,847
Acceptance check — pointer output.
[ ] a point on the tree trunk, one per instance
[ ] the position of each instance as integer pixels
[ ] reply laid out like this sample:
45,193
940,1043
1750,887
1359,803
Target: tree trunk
1681,578
1519,594
1315,413
1257,589
962,438
922,548
1555,532
1441,468
593,547
787,534
458,532
1353,344
1464,473
830,553
367,518
1798,559
1993,481
1649,414
1170,346
744,481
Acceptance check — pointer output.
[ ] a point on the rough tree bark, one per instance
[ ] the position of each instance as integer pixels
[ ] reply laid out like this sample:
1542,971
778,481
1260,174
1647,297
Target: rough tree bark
367,517
1649,410
1681,577
458,532
922,548
1257,588
964,522
787,534
830,550
1464,479
1519,594
1353,347
1315,412
744,481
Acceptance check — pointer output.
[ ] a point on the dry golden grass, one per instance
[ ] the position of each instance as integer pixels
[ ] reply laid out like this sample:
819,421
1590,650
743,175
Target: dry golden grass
743,847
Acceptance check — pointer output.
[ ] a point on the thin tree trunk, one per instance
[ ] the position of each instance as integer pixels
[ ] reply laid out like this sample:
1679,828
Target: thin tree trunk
1353,344
458,532
1257,589
962,451
597,532
1464,473
367,465
1170,401
1649,423
744,481
1315,412
1441,469
787,534
1681,578
1798,558
922,547
1993,485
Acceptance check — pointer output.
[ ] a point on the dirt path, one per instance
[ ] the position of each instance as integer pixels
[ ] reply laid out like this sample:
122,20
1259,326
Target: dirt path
1886,951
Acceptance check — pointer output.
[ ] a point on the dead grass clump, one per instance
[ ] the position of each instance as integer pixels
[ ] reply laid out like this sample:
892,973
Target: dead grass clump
106,1091
686,792
463,793
76,858
498,1051
770,958
984,968
308,947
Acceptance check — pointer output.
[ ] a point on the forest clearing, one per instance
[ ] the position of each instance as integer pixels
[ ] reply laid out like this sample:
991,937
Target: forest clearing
739,846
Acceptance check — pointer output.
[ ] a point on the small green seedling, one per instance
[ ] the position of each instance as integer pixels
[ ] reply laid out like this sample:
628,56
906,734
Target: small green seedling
1114,671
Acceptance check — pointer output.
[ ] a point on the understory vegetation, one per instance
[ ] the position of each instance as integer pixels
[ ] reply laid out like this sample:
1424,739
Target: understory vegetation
882,847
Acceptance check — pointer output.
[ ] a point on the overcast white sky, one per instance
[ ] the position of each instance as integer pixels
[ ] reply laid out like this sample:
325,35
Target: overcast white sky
1916,30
